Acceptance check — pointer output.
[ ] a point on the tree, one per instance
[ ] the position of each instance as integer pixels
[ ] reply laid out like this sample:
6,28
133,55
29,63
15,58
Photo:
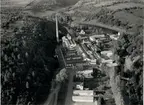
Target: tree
62,75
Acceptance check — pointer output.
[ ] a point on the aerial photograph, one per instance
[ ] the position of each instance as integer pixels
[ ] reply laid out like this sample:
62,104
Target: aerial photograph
71,52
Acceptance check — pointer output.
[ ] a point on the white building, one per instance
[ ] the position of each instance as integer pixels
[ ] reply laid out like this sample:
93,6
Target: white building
115,36
84,103
97,36
69,37
79,86
119,33
107,61
92,39
68,42
85,73
83,96
83,92
112,64
65,42
107,53
93,61
82,32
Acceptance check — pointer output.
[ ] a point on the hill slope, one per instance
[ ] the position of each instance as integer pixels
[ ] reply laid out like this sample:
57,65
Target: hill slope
28,63
43,5
125,14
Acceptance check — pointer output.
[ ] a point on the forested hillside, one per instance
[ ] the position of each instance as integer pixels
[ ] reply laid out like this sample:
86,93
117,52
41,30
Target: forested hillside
28,62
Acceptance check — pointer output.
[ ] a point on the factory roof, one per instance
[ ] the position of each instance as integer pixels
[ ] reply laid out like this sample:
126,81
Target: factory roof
83,92
83,103
98,36
82,98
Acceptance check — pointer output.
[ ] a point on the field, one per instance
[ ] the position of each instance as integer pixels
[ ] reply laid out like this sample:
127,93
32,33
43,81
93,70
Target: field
125,5
14,3
137,12
97,3
123,14
11,9
134,20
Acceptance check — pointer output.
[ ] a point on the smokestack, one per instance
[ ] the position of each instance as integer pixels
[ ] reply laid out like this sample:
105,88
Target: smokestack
57,34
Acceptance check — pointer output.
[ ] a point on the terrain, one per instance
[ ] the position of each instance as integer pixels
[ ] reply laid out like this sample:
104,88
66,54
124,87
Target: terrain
27,55
126,79
28,62
28,36
123,14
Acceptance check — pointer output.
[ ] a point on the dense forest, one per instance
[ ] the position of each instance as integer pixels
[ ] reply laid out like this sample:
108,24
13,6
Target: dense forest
28,62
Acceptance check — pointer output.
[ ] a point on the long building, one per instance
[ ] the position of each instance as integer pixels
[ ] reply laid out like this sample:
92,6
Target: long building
82,98
68,42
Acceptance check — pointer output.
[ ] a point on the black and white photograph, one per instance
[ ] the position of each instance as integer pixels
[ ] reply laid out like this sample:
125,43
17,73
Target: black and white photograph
71,52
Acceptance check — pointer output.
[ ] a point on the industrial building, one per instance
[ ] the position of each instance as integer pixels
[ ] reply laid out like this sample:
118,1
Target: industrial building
68,42
83,96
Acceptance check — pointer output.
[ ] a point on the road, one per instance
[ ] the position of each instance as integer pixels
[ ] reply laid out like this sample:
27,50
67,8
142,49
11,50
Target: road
65,95
98,24
68,100
52,98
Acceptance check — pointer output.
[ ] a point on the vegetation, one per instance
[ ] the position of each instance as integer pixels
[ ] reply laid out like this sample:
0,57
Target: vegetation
10,15
117,13
28,63
129,49
62,76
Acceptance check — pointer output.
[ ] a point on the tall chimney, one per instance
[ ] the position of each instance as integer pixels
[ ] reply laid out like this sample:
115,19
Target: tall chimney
57,34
